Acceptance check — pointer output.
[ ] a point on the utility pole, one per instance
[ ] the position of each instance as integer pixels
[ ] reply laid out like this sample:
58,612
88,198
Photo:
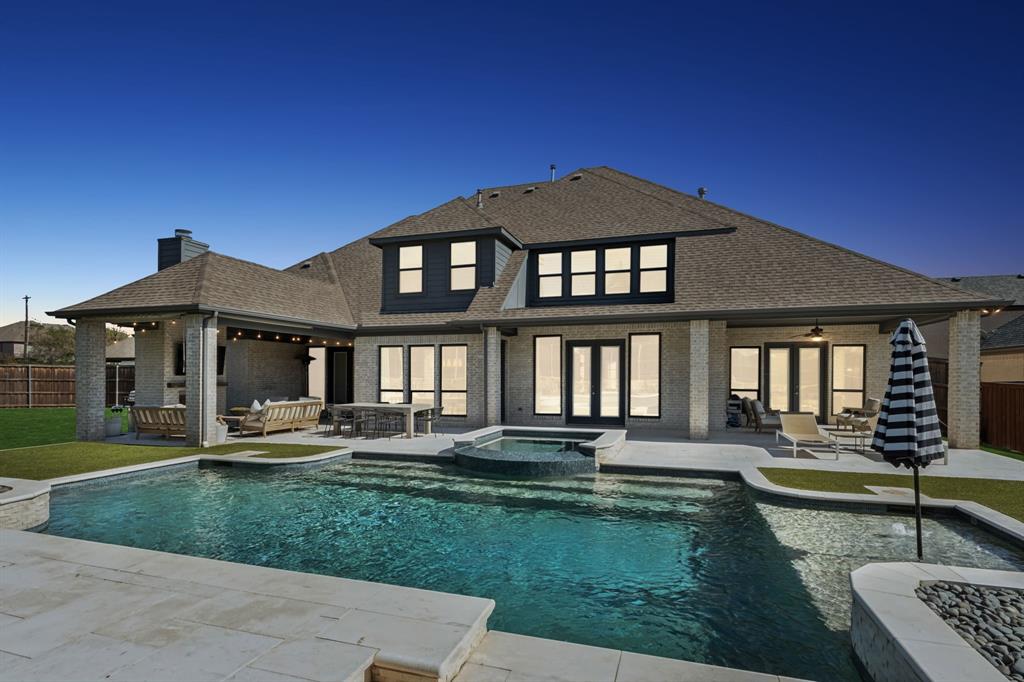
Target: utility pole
24,352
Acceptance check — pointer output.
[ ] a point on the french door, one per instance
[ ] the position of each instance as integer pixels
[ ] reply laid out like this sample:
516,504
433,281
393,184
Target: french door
794,375
595,378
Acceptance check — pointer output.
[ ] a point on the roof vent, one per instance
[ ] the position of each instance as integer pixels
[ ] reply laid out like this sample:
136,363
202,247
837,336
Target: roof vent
529,190
1020,276
479,198
552,169
494,195
954,279
306,266
578,176
182,232
702,192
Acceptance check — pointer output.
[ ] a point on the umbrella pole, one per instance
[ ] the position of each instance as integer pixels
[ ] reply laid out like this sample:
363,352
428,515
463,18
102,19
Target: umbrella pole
917,510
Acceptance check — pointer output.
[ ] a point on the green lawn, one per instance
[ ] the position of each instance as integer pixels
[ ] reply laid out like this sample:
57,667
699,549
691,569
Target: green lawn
1003,496
1002,451
24,426
66,459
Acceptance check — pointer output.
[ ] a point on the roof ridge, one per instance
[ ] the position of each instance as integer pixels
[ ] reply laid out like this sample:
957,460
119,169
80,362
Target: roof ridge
802,234
652,196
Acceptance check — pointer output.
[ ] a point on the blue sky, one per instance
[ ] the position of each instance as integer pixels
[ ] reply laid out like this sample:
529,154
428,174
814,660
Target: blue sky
278,130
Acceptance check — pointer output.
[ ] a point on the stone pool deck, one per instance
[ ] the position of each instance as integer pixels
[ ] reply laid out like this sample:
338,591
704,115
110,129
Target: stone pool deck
73,609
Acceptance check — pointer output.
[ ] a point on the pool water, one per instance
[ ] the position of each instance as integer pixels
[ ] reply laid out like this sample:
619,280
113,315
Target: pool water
531,445
697,569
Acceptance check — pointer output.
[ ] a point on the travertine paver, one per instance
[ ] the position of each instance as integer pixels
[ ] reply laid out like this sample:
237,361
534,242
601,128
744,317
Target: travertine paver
71,609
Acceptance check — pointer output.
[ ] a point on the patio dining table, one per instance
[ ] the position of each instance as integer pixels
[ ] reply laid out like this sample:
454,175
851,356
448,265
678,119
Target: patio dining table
410,410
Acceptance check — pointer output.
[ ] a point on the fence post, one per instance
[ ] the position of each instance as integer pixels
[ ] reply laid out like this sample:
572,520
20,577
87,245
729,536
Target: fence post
30,385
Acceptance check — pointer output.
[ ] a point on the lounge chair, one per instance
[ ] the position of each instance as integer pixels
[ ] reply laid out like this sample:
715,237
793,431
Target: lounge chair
801,429
857,418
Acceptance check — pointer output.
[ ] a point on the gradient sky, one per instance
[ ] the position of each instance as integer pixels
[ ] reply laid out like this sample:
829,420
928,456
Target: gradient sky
278,130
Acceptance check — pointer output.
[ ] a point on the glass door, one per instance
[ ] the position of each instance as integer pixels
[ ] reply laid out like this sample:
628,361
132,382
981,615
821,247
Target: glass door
795,377
595,381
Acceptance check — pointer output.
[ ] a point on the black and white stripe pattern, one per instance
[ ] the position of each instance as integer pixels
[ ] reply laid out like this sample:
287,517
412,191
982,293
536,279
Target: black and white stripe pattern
908,424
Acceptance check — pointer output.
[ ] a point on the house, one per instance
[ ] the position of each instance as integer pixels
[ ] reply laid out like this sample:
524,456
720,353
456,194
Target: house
1002,327
596,298
12,337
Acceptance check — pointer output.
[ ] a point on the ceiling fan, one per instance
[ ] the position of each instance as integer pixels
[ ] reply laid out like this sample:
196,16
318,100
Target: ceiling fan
816,334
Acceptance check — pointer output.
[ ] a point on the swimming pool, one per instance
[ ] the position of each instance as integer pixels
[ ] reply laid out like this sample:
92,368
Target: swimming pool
698,569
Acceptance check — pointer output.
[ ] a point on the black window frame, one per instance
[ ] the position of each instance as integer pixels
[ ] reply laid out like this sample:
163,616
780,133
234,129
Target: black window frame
443,390
760,366
605,271
598,258
380,377
535,258
641,270
561,375
629,377
474,266
422,270
433,378
832,390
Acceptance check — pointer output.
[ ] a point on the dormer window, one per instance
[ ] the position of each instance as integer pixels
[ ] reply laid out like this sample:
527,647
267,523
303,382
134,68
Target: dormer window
584,272
617,264
410,269
549,269
653,268
463,266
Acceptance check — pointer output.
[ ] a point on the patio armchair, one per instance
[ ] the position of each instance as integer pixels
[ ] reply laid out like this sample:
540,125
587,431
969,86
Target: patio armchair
801,429
757,416
856,418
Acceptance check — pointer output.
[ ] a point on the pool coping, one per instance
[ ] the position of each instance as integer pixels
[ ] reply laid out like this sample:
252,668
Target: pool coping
897,636
607,441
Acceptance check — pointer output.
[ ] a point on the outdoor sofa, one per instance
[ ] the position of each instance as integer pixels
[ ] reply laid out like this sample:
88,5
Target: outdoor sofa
282,416
165,421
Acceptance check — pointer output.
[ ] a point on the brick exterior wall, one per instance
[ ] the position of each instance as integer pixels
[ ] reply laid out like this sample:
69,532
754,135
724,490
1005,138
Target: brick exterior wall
90,378
200,381
155,381
700,377
366,373
965,379
257,370
492,352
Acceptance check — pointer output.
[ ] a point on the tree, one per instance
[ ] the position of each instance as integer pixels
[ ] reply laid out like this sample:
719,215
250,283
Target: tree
52,345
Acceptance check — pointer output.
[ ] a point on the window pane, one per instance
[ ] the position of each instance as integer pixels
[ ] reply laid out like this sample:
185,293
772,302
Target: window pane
810,380
410,281
391,396
848,367
778,379
747,394
617,259
744,369
453,368
610,372
549,264
644,368
651,281
410,257
616,283
843,399
426,397
584,285
547,375
584,261
464,253
550,286
391,369
421,368
654,256
453,404
581,380
463,278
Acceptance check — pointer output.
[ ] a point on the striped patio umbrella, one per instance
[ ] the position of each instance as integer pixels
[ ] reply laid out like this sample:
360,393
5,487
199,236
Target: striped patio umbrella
908,424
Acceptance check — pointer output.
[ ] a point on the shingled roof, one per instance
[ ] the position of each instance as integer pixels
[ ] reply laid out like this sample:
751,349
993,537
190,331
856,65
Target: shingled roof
1010,335
1006,287
213,281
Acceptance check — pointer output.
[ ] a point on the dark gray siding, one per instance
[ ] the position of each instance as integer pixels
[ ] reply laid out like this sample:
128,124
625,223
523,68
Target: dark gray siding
436,296
173,250
501,256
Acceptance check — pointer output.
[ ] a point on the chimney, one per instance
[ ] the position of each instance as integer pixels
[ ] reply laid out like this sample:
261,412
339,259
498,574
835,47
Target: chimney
702,192
552,169
177,249
479,198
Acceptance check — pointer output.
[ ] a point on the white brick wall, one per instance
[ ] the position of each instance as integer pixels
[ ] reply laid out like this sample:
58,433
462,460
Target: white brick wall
700,377
965,379
200,381
90,378
257,370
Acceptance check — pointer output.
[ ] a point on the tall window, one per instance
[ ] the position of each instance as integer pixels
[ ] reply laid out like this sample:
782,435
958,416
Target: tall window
547,375
584,272
653,268
453,381
549,269
392,389
745,372
463,258
421,374
617,265
847,377
410,269
645,375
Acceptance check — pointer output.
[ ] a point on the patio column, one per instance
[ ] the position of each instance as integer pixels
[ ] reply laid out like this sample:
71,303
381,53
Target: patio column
492,370
90,378
700,376
200,380
964,380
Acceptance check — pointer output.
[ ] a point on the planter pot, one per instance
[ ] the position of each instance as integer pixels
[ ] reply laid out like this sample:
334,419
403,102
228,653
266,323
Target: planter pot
221,434
113,426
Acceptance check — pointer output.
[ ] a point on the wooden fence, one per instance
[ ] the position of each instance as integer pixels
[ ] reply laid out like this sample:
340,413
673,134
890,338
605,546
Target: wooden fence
1002,415
939,369
54,385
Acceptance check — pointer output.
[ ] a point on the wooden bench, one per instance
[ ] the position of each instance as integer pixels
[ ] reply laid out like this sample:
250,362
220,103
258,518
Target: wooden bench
296,414
165,421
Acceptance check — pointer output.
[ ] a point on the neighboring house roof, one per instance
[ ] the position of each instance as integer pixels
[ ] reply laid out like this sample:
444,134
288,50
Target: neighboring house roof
122,349
726,263
212,281
1010,335
1003,287
15,331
